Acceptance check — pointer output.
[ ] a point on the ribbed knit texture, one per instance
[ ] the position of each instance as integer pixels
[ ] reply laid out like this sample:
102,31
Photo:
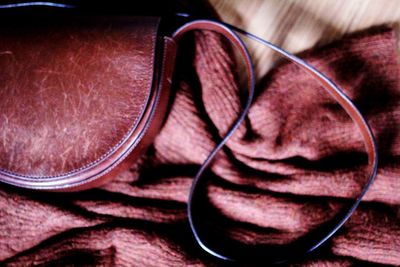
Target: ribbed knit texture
296,161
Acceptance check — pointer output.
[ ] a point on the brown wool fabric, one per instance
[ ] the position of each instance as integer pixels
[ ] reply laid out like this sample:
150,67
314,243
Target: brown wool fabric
294,163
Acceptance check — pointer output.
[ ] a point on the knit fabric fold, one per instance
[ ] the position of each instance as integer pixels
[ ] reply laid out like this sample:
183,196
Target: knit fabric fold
293,164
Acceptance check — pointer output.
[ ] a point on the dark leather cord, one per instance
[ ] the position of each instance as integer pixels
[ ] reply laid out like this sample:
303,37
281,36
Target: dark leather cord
196,194
35,3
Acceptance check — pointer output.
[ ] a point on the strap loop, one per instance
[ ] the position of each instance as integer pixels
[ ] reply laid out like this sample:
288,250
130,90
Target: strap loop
236,253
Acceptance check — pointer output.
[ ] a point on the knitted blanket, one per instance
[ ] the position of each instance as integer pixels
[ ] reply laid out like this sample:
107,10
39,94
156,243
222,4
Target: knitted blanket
295,163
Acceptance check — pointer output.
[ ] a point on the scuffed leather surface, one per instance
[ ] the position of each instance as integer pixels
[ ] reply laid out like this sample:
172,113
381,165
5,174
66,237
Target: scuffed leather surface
70,90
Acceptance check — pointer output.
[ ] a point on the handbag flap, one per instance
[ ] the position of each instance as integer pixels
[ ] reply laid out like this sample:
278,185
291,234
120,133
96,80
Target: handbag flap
71,90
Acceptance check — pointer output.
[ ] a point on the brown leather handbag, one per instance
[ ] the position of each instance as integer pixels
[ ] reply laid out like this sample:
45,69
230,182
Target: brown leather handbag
82,97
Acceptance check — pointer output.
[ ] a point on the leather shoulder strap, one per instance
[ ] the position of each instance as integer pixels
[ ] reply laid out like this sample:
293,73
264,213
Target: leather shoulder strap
234,252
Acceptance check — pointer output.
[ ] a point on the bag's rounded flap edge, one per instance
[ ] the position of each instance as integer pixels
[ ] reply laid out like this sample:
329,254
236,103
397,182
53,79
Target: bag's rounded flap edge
96,84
